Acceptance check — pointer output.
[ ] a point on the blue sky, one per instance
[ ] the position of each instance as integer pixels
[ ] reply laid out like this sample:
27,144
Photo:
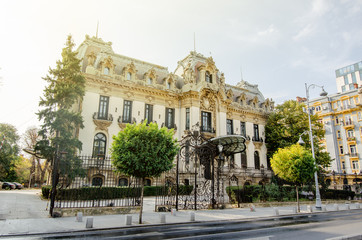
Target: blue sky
279,44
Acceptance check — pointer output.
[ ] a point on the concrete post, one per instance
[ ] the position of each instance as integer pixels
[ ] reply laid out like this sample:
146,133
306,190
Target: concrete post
192,216
128,220
162,218
79,217
89,223
276,211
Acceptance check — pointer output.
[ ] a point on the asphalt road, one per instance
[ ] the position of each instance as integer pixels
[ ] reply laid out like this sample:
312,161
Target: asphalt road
328,225
22,204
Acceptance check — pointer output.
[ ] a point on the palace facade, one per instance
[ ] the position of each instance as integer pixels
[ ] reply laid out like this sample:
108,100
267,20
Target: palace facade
121,90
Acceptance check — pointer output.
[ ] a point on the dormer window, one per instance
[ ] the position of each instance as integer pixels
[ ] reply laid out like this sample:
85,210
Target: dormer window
106,71
129,76
168,85
208,77
149,81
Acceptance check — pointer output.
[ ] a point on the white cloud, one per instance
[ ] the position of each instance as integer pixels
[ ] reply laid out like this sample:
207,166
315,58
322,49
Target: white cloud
305,32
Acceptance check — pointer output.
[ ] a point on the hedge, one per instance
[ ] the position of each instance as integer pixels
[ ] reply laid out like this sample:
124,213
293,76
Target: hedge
98,193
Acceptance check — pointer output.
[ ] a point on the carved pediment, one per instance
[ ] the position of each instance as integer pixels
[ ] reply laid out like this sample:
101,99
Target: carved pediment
91,58
151,74
130,68
102,125
108,62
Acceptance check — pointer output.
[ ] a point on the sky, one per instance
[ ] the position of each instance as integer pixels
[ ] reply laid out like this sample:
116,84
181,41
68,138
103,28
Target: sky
279,45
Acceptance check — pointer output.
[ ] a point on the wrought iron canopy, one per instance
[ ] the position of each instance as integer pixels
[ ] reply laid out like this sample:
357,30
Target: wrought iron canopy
232,144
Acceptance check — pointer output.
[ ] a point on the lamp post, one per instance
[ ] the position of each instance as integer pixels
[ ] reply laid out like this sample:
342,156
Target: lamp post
318,203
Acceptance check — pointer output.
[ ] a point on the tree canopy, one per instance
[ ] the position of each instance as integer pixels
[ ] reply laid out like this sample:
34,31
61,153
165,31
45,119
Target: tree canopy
287,123
144,150
9,152
60,113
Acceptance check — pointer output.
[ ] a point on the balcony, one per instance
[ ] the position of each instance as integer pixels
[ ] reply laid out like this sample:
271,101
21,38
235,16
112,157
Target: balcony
122,121
258,141
351,139
353,155
347,124
102,121
170,126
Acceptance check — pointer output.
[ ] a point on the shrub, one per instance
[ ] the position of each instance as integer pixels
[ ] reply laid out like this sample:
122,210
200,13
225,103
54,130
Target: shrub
45,191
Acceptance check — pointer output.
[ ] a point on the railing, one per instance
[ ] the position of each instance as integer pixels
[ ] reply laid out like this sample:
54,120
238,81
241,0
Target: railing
100,116
207,129
131,120
347,123
257,139
353,154
169,126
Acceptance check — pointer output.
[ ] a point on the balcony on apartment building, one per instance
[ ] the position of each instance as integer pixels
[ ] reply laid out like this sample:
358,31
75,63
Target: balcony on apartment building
102,116
347,124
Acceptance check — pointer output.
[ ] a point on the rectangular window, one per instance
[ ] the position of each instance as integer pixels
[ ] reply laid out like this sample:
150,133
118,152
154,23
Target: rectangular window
256,132
206,122
149,113
343,88
351,86
355,165
345,80
338,134
350,133
103,107
341,149
242,129
229,127
127,112
187,127
170,118
354,80
352,149
343,165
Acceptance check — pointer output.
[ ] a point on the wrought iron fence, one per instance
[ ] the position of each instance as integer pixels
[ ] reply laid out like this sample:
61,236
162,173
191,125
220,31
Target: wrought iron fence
97,185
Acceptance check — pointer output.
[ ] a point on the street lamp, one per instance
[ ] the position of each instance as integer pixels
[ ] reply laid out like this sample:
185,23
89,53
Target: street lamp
318,203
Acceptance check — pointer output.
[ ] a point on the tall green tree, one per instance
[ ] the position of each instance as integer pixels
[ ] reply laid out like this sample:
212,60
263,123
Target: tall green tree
294,164
61,115
287,123
144,151
9,152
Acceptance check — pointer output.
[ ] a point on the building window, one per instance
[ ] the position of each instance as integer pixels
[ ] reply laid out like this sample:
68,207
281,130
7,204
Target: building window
338,134
149,113
99,145
206,122
341,149
106,71
352,149
97,181
343,165
170,118
350,133
149,81
103,107
148,182
242,129
353,77
187,127
208,77
229,127
256,132
244,162
318,108
256,160
168,85
127,111
355,165
345,80
123,182
343,88
129,76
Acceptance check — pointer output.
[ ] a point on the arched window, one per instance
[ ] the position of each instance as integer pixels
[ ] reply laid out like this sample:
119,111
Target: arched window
99,145
97,181
123,182
106,71
247,184
168,85
149,81
256,160
129,76
148,182
244,162
208,77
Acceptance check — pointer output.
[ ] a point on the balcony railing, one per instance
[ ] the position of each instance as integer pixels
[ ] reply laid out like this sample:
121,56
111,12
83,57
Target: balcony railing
121,119
207,129
353,154
100,116
351,139
169,126
257,139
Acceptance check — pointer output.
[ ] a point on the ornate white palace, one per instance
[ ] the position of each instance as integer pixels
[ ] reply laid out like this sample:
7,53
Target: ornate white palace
122,90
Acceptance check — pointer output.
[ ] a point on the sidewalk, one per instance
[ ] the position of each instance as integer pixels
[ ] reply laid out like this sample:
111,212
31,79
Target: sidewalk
68,224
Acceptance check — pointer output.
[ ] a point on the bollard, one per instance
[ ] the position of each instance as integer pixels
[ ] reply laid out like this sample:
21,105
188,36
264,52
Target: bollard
192,216
128,220
276,211
163,218
309,208
324,209
336,208
173,212
89,223
79,217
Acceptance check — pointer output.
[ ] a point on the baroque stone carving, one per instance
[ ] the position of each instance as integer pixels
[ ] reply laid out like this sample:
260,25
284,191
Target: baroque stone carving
102,125
91,59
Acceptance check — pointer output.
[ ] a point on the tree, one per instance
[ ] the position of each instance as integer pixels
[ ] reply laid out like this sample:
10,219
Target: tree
287,123
144,151
9,150
39,167
61,115
294,164
22,167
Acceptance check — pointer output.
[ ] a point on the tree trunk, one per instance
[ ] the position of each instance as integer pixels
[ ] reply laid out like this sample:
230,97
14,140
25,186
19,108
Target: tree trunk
298,207
141,207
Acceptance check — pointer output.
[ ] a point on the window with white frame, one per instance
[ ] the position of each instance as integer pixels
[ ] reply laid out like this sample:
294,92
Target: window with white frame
341,149
355,164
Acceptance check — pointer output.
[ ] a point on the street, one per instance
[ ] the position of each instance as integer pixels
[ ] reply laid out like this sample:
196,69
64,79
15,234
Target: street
327,225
